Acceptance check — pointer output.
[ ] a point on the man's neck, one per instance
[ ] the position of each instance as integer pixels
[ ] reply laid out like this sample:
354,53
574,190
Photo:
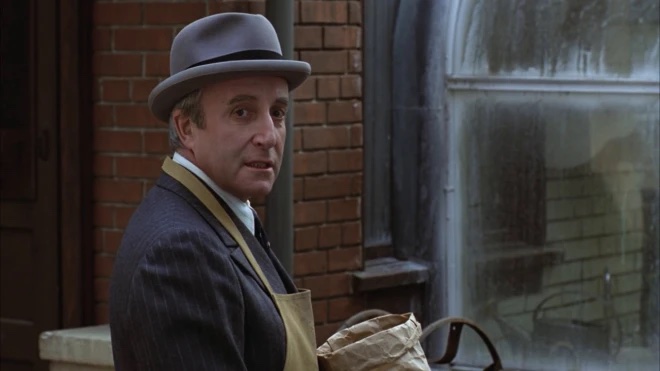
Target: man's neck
241,208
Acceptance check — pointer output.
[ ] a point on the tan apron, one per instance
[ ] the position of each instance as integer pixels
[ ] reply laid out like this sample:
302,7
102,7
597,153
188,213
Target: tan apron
295,309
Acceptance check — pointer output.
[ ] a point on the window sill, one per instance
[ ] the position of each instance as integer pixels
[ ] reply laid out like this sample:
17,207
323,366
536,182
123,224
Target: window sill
84,348
383,273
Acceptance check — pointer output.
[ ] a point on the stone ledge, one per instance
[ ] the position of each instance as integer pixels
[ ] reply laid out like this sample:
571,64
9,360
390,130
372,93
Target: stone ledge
382,273
84,346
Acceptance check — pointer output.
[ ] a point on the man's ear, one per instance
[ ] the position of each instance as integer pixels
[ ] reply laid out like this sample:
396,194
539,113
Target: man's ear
184,128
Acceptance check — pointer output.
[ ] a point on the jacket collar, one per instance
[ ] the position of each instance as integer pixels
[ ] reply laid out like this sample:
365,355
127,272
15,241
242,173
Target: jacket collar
171,184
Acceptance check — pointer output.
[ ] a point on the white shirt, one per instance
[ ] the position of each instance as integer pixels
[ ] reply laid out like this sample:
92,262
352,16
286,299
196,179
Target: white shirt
243,210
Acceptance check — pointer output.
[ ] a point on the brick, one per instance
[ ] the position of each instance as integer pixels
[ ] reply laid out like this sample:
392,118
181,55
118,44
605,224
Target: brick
345,160
298,189
351,233
342,309
308,37
112,14
112,240
322,138
342,37
296,12
173,13
117,190
117,65
103,165
258,7
98,240
356,135
140,89
103,265
123,215
157,142
101,314
356,184
329,236
157,64
355,12
323,12
329,285
354,61
339,210
115,91
328,87
104,215
96,91
101,39
593,226
305,163
136,116
117,141
326,61
297,139
138,167
309,113
306,238
345,259
305,213
143,39
306,91
351,86
101,289
320,309
327,186
229,6
344,112
308,263
564,230
103,115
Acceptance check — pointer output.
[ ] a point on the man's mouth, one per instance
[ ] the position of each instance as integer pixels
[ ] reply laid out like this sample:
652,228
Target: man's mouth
259,165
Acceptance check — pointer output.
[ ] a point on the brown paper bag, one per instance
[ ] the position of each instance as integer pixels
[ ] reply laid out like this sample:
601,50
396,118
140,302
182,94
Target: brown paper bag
389,342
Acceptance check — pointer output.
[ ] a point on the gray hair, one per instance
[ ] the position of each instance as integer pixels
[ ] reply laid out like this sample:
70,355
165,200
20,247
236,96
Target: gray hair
190,106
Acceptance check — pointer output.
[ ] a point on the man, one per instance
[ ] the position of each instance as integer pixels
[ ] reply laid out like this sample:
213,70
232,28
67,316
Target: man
195,285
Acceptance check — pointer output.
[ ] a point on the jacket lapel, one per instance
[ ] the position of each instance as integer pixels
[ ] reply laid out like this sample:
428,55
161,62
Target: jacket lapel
169,183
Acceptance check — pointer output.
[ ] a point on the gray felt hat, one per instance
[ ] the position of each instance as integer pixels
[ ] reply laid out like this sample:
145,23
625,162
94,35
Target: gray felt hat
218,47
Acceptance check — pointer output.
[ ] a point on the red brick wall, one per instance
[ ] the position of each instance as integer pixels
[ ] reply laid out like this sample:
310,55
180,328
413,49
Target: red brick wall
131,41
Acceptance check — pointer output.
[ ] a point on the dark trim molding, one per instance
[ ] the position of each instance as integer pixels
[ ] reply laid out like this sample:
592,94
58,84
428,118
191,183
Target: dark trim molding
75,138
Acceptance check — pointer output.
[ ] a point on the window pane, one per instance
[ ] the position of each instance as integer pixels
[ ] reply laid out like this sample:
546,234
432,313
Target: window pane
571,38
559,199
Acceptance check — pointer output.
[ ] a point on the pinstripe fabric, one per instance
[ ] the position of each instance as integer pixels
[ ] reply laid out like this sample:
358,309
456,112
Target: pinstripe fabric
184,297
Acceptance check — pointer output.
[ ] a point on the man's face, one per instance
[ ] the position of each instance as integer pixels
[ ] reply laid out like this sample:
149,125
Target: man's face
240,146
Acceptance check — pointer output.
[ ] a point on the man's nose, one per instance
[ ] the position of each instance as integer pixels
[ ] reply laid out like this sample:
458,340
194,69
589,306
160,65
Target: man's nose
266,135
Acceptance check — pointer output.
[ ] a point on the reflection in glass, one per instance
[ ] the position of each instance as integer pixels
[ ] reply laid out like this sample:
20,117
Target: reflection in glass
560,233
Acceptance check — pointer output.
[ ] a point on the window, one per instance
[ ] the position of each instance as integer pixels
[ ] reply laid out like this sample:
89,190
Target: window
378,25
514,147
554,122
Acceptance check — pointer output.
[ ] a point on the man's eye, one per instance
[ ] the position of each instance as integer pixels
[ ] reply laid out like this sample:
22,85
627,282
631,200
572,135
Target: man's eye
241,112
279,113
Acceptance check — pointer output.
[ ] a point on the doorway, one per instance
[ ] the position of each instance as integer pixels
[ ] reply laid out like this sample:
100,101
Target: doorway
42,264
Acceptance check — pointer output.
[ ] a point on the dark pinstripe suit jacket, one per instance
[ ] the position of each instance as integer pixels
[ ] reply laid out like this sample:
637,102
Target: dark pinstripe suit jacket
184,297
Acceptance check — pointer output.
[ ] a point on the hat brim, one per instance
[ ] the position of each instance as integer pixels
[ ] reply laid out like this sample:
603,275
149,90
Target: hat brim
169,91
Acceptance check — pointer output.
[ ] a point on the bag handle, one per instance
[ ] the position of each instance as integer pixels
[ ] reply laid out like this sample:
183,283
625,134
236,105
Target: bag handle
456,326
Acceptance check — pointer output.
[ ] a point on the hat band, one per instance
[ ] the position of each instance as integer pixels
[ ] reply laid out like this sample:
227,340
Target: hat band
240,56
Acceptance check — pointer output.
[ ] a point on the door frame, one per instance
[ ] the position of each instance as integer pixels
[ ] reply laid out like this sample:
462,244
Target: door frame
74,96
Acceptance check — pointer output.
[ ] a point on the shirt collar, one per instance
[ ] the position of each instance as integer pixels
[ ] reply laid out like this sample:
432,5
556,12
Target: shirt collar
243,210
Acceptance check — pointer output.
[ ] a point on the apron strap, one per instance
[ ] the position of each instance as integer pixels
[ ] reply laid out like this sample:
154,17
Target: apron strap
194,185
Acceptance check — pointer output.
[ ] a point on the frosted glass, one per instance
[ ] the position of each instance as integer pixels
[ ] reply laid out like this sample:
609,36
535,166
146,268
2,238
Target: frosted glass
559,195
610,39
